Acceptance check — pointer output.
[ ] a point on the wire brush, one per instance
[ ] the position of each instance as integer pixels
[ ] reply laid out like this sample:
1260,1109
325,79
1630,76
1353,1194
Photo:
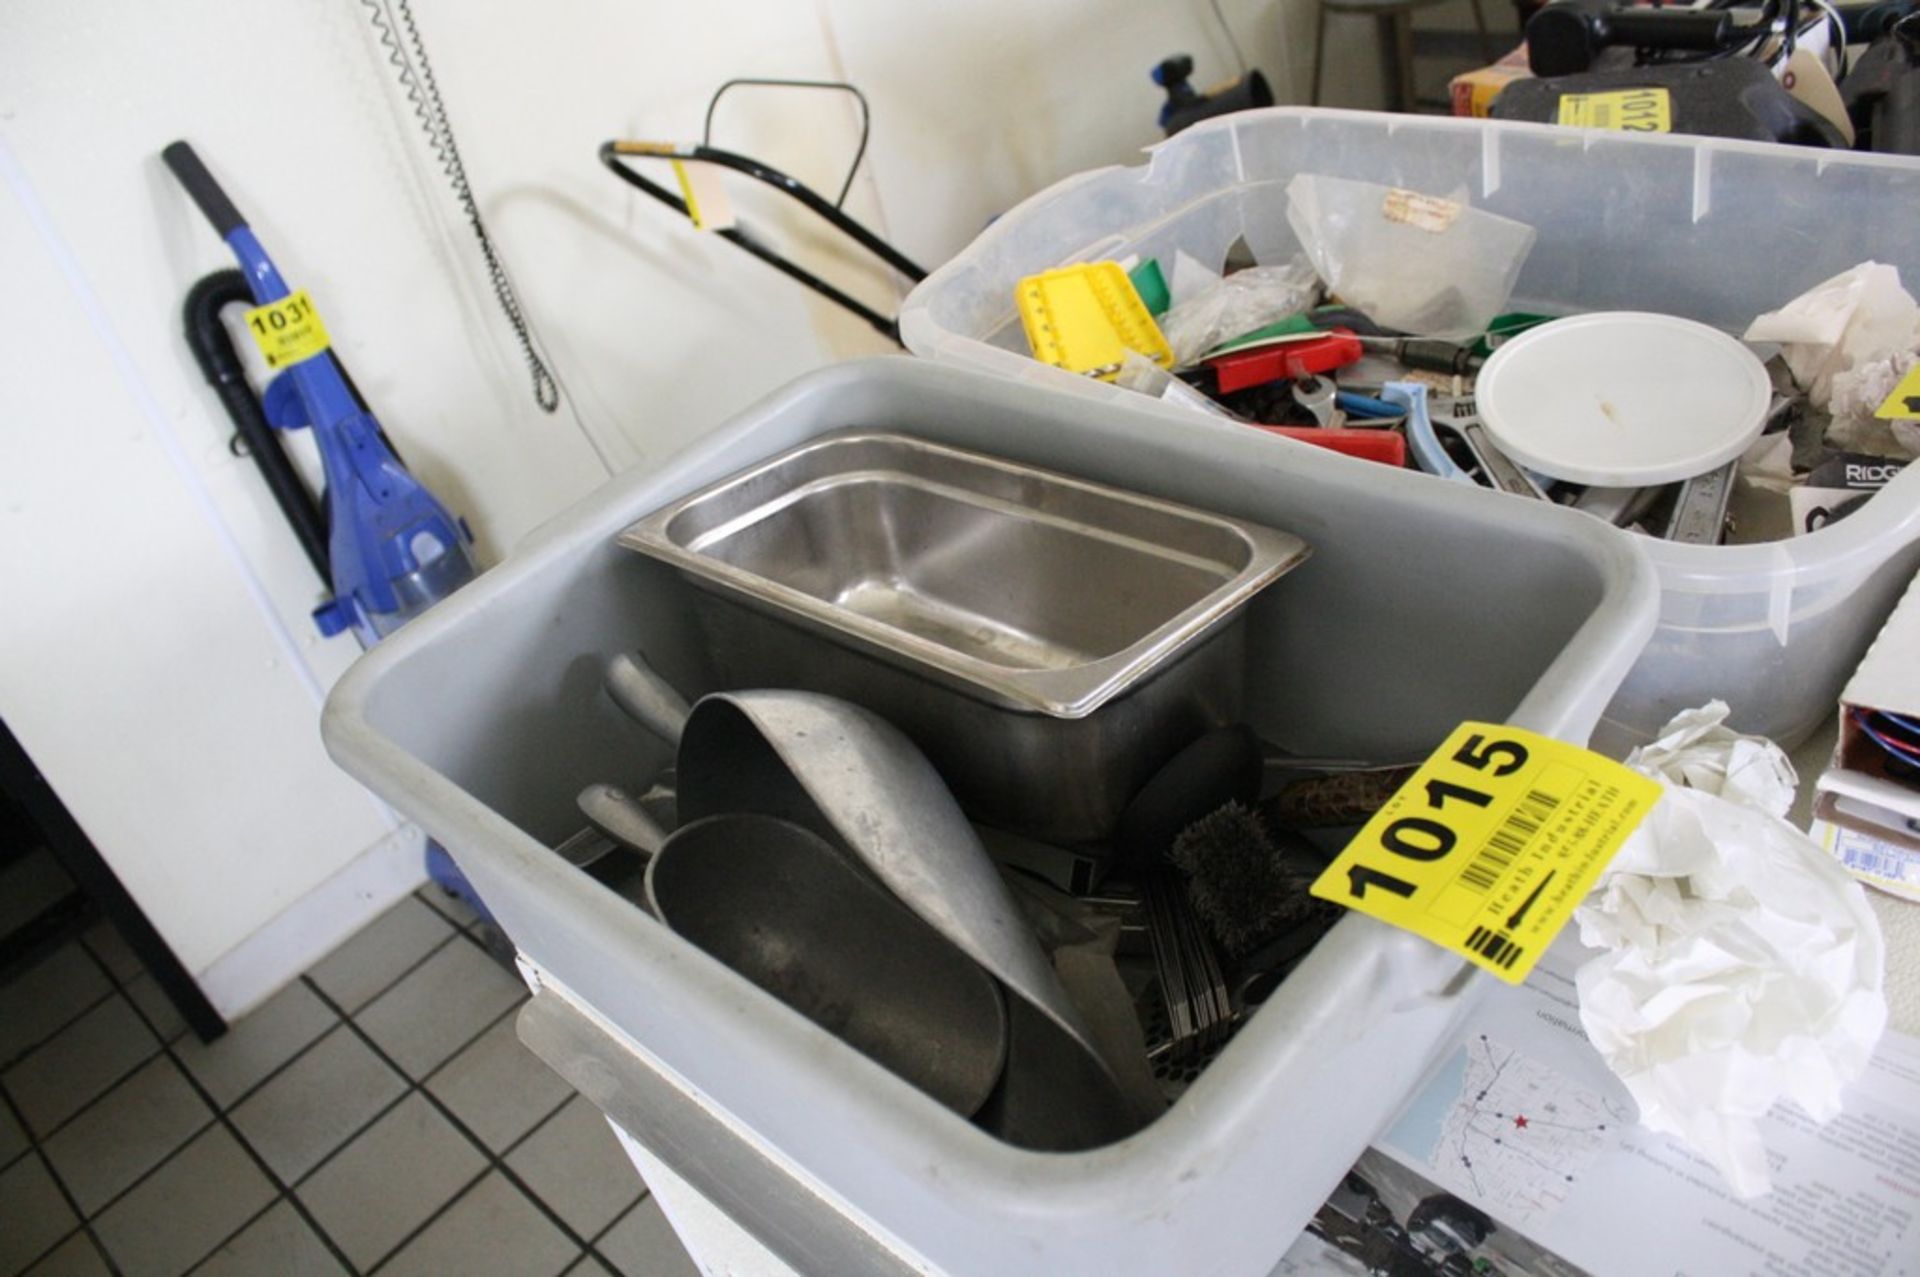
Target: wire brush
1245,888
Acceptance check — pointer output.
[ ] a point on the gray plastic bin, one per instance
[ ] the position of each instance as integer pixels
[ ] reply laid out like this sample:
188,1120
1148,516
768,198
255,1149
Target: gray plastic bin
1422,605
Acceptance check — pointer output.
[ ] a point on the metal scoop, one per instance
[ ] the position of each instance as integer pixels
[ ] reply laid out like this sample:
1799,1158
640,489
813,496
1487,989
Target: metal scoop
788,912
853,779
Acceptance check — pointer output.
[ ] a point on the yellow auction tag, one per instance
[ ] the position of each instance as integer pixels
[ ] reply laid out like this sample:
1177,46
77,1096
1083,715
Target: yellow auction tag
705,192
1630,110
288,330
1491,844
1904,403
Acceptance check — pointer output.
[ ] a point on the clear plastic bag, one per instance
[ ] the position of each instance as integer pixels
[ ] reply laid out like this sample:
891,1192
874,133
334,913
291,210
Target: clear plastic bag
1237,304
1419,263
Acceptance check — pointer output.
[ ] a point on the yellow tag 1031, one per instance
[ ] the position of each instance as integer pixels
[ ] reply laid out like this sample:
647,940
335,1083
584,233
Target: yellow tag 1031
1490,845
704,190
1630,110
288,330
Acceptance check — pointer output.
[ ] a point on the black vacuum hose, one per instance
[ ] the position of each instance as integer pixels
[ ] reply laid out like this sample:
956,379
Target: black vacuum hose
212,347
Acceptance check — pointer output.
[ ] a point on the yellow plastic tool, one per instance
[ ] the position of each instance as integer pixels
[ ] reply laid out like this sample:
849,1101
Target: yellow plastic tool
1086,318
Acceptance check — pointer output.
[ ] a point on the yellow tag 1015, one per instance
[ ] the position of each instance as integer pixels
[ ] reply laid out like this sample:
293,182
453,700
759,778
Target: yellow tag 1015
288,330
1490,845
1630,110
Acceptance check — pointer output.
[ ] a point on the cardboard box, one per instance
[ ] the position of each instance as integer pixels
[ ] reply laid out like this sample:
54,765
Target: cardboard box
1472,92
1867,804
1890,866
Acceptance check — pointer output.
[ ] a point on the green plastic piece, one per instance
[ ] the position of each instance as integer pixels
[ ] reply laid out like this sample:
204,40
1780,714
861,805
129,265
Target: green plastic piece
1151,284
1502,327
1291,326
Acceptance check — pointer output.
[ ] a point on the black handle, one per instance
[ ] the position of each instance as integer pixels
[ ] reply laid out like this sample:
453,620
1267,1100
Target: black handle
205,191
1433,355
1704,29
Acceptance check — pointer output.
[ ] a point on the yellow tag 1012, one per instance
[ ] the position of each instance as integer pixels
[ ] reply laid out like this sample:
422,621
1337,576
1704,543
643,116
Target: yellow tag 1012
1490,845
288,330
1630,110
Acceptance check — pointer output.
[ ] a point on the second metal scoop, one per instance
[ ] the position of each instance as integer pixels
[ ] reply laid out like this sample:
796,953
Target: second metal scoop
788,912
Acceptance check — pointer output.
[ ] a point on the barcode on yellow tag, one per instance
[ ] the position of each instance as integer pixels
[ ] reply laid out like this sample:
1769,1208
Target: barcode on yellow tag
1425,212
1490,845
1629,110
288,330
1903,403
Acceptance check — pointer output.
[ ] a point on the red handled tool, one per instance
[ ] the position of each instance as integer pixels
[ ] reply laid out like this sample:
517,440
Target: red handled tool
1369,445
1295,359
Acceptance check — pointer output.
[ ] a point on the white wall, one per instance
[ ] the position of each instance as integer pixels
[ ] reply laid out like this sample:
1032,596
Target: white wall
155,653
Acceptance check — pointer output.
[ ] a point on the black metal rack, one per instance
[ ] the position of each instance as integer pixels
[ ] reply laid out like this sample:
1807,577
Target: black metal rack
617,156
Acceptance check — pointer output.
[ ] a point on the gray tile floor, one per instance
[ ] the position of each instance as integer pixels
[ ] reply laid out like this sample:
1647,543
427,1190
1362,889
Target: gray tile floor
377,1116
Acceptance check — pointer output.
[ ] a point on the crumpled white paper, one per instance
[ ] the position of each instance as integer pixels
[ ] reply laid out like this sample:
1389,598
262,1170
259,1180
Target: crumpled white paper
1697,750
1857,317
1861,389
1741,964
1857,394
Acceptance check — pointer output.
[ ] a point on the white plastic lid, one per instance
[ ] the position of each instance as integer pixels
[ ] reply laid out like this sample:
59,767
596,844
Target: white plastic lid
1623,399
